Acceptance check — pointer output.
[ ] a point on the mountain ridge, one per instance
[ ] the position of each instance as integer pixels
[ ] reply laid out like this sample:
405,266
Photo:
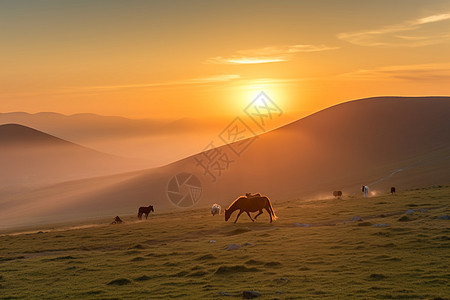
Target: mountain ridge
381,142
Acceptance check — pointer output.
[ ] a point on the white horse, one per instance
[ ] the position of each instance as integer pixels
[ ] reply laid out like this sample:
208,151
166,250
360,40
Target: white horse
215,209
365,190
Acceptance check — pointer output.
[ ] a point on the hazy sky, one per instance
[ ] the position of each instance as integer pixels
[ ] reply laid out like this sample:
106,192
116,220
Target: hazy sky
144,59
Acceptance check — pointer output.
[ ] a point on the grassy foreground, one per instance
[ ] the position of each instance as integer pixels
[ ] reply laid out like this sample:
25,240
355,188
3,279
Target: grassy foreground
313,251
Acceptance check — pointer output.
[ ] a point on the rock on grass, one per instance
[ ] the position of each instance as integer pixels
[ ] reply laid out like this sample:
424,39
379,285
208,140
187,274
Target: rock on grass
234,269
380,225
364,224
198,274
272,264
236,246
377,276
233,247
62,258
254,262
206,257
120,281
142,278
250,294
138,258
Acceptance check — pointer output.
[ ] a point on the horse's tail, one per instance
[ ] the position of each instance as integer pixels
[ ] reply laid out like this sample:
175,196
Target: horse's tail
272,212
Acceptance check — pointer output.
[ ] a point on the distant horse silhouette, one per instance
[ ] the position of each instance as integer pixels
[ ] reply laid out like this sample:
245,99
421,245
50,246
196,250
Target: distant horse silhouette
145,210
393,190
365,190
215,209
337,194
117,220
250,204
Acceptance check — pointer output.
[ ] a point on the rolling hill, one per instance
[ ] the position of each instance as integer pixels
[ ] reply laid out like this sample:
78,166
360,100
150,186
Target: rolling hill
380,142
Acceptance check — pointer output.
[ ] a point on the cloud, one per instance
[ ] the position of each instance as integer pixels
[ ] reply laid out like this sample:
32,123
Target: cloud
267,54
433,18
419,72
200,80
412,33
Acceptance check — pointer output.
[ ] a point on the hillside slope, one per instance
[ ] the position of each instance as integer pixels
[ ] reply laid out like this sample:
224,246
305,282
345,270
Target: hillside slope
380,142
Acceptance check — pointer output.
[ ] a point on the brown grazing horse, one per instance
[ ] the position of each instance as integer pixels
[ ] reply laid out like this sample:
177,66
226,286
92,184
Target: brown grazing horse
337,194
250,204
145,210
393,190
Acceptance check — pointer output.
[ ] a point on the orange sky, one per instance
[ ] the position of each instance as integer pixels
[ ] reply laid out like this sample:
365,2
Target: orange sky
173,59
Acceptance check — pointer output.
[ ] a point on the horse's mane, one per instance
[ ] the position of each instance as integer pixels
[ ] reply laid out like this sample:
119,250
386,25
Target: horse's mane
234,202
256,195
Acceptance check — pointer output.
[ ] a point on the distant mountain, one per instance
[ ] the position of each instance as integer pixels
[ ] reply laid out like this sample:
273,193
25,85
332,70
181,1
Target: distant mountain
380,142
31,158
85,126
157,141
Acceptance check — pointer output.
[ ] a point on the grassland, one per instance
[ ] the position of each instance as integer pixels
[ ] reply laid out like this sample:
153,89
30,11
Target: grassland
313,251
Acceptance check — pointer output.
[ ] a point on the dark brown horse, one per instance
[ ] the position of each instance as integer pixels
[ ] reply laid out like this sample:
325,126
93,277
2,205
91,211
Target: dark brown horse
250,204
393,190
337,194
145,210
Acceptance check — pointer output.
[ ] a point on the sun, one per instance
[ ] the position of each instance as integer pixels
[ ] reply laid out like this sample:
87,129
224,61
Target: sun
250,91
274,97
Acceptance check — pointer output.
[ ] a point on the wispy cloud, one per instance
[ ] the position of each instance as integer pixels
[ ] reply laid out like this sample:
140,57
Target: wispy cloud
267,54
412,33
200,80
419,72
433,18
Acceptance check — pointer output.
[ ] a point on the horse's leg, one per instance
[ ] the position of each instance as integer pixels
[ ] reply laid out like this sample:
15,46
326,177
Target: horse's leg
270,215
250,216
146,216
140,216
260,212
240,212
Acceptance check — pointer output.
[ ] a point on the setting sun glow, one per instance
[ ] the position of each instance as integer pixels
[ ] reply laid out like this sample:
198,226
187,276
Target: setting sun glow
164,62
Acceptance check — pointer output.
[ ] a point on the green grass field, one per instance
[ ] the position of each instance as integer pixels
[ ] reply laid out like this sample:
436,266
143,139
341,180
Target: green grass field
172,255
